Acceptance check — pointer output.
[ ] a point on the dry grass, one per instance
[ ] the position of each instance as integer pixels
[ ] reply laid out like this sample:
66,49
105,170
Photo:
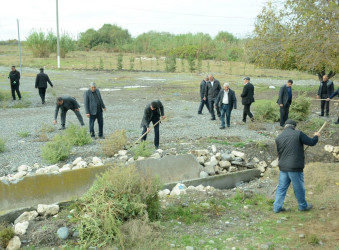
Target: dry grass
114,142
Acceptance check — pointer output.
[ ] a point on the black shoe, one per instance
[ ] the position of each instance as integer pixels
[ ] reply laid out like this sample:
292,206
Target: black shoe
337,122
252,119
308,208
228,126
199,113
156,147
213,118
327,115
222,127
62,128
102,137
43,102
321,115
19,99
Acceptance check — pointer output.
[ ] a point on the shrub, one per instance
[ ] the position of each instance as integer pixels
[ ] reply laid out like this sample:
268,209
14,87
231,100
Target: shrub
171,64
6,234
144,149
78,136
121,194
300,108
119,59
131,63
191,63
2,145
40,43
57,150
114,143
47,128
266,111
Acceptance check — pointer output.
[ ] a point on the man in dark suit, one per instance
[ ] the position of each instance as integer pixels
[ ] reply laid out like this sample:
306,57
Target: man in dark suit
333,95
65,103
212,90
202,94
247,96
93,106
14,77
41,84
226,101
284,101
325,90
152,114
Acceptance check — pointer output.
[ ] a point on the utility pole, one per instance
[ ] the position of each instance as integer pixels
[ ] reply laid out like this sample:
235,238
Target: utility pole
19,45
58,40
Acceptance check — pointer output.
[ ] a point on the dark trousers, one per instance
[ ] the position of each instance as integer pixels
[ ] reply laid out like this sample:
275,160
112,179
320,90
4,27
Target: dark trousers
42,93
246,112
15,88
156,131
211,105
63,117
322,105
284,110
92,119
201,106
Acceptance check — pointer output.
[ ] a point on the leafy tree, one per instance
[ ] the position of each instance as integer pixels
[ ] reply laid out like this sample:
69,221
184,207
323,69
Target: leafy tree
89,39
67,44
40,43
302,35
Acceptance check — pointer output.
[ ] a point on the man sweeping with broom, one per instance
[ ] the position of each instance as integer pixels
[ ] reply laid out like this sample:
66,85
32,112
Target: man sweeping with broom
152,113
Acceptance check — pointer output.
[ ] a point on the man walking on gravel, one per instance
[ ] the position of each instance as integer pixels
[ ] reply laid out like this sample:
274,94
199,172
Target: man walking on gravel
65,103
93,106
247,96
14,78
290,146
284,101
41,84
212,90
325,90
152,114
226,101
202,94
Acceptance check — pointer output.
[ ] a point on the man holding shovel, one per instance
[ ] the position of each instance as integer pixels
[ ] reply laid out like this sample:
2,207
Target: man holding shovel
152,113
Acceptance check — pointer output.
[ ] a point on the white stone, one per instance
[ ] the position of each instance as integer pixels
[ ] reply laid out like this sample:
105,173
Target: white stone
336,150
329,148
4,178
20,175
82,164
232,169
164,193
237,153
160,151
76,161
255,160
336,155
209,169
200,188
97,161
51,169
200,152
40,171
14,243
26,216
218,156
155,156
48,209
21,228
122,152
130,160
275,163
271,87
224,164
178,189
23,168
214,149
65,168
76,167
201,159
140,158
36,165
213,161
123,158
262,166
203,174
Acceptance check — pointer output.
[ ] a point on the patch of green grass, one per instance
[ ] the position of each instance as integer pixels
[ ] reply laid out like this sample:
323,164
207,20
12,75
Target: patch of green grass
261,145
239,144
215,141
2,145
24,134
144,149
310,126
78,136
193,213
266,110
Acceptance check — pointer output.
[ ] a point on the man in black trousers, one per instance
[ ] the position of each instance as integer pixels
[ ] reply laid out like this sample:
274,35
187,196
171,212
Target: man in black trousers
325,90
65,103
202,94
14,77
284,101
333,95
41,84
212,90
152,114
247,96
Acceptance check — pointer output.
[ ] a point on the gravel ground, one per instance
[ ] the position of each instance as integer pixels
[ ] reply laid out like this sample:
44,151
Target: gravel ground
124,111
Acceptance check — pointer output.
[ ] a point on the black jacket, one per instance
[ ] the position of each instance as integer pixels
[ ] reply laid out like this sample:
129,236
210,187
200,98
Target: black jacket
247,94
148,114
69,103
232,100
202,88
90,103
290,146
212,92
330,89
335,93
14,76
41,81
283,96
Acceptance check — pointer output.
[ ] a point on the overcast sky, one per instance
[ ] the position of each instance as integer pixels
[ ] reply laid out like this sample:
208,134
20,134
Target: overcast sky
174,16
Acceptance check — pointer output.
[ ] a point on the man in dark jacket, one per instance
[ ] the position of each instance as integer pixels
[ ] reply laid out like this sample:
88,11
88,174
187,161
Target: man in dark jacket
226,101
202,94
247,96
290,146
152,114
211,92
333,95
14,77
325,90
93,106
65,103
285,101
41,84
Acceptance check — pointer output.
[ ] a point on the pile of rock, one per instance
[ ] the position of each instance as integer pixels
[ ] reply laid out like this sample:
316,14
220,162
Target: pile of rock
180,188
334,150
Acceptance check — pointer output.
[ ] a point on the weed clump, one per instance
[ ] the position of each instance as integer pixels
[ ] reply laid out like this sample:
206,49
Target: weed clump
23,134
144,149
2,144
300,108
120,195
57,150
6,234
78,136
266,110
114,143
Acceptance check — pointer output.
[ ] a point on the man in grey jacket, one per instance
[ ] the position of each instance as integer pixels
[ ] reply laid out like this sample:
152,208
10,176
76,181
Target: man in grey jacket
93,106
285,101
65,103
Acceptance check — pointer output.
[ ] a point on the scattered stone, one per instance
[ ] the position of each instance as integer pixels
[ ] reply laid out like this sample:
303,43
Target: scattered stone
200,152
189,248
123,158
209,169
76,161
82,164
227,157
163,193
246,207
140,158
211,241
63,233
271,87
19,175
155,156
232,169
224,164
238,163
329,148
249,165
14,243
122,152
178,189
238,159
214,149
172,245
275,163
76,167
36,165
21,228
268,245
202,242
262,166
238,154
66,167
76,234
255,160
201,159
46,210
160,151
23,168
301,235
203,174
336,149
205,205
218,156
130,160
97,161
26,216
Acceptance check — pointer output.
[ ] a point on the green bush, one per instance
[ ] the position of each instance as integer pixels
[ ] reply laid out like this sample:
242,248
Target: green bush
144,149
57,150
114,142
6,234
119,61
2,145
78,136
41,44
121,194
171,64
300,108
266,111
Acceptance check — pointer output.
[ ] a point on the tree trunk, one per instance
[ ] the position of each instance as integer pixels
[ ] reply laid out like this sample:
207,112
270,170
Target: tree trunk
322,73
